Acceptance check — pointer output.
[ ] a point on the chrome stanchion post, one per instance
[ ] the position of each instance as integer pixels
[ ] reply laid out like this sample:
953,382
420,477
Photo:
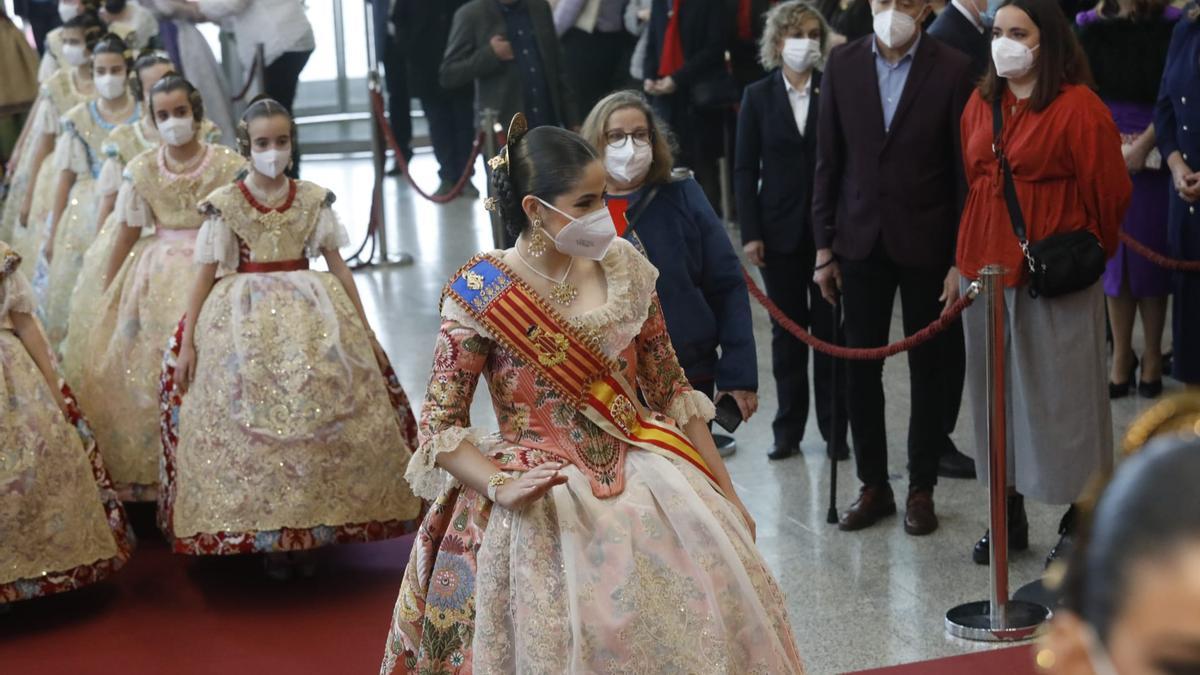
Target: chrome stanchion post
489,122
997,619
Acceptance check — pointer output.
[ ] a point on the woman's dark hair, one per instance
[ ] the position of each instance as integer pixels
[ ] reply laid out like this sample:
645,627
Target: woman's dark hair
261,107
1142,9
1149,509
111,43
546,162
1060,59
147,60
114,6
176,82
90,24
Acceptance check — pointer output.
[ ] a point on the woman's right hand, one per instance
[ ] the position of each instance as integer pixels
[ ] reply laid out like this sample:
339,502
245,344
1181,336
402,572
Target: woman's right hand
185,366
754,251
1187,183
517,494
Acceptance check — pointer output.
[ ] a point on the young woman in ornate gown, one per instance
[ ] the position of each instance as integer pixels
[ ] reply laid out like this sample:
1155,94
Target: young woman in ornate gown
593,532
284,427
78,155
147,283
60,520
33,177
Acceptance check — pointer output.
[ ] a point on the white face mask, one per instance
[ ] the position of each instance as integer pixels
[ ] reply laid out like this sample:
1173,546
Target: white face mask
270,163
177,130
586,237
110,87
67,12
1012,58
894,28
801,54
74,55
628,163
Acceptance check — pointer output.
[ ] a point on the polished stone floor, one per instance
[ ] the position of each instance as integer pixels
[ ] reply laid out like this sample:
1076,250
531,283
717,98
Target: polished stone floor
859,600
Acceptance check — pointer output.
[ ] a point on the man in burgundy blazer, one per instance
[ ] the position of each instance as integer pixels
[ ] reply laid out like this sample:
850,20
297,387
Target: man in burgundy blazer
888,192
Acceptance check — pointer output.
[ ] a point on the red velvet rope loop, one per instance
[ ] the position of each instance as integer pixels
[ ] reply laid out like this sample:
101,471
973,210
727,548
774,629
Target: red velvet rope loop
1157,258
476,148
873,354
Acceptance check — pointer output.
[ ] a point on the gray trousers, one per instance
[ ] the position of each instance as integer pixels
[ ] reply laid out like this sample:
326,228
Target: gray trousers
1059,423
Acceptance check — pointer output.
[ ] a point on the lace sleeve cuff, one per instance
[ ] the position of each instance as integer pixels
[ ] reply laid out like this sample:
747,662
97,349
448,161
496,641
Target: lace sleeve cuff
109,180
47,121
691,404
16,295
329,234
70,154
216,243
424,476
133,209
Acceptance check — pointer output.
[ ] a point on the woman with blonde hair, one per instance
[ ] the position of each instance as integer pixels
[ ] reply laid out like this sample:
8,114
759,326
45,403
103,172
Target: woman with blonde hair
668,218
773,183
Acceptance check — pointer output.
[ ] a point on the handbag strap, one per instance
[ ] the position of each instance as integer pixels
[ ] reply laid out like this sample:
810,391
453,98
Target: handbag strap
631,215
1010,189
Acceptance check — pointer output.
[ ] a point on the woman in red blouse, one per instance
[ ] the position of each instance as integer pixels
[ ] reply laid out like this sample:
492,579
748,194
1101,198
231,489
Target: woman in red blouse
1066,160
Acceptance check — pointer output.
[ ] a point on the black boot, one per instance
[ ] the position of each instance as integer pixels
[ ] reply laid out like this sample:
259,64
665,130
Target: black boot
1066,537
1018,532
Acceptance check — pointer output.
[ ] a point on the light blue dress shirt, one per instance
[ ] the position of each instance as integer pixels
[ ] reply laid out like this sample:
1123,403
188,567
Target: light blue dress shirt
892,77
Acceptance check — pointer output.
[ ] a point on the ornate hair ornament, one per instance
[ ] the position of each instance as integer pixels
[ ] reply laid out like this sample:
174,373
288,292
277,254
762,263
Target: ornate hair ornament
517,128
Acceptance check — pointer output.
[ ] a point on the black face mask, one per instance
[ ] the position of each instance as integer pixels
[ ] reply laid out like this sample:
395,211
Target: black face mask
114,6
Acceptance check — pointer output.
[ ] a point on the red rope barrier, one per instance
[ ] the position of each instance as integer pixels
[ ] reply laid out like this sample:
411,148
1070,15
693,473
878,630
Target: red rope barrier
254,67
1157,258
456,191
873,354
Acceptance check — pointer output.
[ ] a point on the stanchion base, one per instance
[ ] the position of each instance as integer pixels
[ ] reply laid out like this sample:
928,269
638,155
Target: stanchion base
399,260
973,621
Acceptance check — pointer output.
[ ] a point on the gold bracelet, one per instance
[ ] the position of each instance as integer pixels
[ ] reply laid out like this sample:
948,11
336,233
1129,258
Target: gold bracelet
497,479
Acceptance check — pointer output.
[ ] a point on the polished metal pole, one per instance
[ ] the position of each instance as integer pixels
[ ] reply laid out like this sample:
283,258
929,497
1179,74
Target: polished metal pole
996,619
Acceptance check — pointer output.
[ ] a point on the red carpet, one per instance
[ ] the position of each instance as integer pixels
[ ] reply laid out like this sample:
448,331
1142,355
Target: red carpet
170,614
1009,661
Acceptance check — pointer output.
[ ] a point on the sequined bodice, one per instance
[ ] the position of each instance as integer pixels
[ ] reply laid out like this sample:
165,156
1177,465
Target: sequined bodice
271,234
174,197
87,124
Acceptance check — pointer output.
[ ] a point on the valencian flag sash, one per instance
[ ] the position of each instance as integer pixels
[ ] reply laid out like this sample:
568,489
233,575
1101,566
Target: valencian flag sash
521,321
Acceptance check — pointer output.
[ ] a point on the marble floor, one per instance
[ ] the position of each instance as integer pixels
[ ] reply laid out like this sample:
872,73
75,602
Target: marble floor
857,600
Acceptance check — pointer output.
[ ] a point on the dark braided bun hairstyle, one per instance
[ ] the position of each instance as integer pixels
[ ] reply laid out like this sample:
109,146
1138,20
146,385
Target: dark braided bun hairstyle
89,23
111,43
176,82
147,60
544,162
261,106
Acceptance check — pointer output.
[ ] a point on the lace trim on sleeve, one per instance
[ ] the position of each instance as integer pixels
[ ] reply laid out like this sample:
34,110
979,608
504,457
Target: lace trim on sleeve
216,243
70,153
16,295
48,121
329,234
452,311
133,208
690,404
424,476
109,180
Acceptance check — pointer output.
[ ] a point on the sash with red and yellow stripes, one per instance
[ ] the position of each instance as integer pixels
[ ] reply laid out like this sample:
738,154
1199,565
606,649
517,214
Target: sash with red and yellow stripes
523,323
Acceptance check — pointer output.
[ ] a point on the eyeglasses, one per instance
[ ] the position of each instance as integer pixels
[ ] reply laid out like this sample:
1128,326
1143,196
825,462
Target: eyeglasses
618,138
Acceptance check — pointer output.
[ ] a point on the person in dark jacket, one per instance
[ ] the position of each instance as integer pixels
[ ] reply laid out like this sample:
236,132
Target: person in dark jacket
422,29
962,25
685,48
885,218
773,181
509,50
668,218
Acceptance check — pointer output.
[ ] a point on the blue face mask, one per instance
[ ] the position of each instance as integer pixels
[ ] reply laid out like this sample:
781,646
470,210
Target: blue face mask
988,16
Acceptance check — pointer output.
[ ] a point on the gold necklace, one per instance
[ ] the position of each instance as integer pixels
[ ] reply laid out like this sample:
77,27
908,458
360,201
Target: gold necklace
560,291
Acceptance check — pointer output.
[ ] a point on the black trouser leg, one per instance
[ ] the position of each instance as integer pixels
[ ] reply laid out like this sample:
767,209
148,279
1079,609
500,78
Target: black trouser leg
43,18
868,293
787,286
451,119
463,113
598,63
281,78
820,318
919,291
398,101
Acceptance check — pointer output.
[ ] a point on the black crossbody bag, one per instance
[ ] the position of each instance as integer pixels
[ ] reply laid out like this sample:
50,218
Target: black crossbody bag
1061,263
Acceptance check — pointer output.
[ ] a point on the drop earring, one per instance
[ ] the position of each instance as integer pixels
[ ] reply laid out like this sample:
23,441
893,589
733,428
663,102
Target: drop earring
537,241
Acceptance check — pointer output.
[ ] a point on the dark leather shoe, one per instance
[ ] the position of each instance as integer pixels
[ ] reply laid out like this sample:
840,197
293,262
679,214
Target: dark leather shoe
919,517
954,464
1150,389
783,452
839,451
874,503
1018,532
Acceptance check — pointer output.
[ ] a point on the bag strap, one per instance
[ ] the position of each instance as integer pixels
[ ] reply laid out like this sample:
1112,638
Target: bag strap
1010,189
632,215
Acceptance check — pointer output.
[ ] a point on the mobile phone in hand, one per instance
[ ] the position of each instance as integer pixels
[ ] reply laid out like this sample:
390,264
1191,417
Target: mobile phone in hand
729,415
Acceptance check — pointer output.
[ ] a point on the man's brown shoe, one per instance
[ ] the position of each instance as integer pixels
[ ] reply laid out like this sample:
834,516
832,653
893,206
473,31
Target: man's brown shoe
873,504
919,519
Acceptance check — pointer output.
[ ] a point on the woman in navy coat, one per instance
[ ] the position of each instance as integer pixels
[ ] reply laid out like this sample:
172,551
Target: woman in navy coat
1177,123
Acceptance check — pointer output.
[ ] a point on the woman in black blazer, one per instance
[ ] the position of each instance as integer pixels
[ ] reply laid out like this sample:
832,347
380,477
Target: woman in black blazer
773,182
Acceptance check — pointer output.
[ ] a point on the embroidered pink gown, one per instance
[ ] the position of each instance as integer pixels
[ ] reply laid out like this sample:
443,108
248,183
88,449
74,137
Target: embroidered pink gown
632,566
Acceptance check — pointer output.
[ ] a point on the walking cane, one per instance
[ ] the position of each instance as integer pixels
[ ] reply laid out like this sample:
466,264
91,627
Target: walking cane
831,449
